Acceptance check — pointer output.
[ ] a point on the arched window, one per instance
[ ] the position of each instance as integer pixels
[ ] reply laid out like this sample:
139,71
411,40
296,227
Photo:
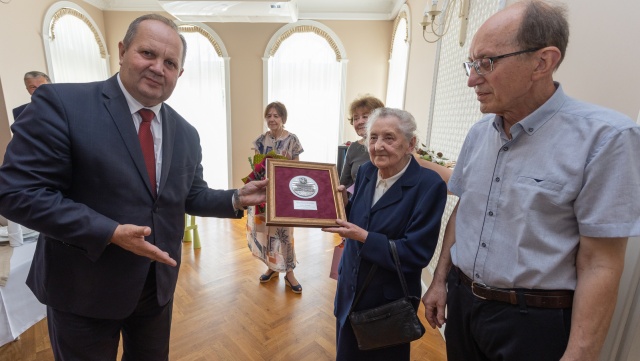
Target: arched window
398,60
305,66
74,47
201,98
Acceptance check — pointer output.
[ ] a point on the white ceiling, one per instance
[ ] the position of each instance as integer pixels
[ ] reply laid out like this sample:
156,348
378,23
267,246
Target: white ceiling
306,9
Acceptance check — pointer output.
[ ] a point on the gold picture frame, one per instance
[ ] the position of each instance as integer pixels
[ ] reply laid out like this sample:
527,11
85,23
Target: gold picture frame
302,194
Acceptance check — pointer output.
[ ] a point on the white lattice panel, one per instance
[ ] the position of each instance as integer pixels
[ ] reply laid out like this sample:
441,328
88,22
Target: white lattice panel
455,108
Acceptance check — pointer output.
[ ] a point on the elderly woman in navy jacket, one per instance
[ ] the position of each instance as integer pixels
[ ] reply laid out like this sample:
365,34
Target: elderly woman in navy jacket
394,199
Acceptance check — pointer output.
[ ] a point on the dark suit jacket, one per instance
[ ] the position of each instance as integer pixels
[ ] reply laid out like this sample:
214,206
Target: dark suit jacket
17,111
409,213
74,170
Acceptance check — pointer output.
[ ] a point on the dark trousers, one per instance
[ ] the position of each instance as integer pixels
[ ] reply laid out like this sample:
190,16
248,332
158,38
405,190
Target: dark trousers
480,330
145,333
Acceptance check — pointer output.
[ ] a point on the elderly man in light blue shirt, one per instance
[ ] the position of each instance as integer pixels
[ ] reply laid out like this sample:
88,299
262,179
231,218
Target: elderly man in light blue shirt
549,193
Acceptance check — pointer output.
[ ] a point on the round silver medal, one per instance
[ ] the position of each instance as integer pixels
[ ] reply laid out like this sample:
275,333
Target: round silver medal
303,186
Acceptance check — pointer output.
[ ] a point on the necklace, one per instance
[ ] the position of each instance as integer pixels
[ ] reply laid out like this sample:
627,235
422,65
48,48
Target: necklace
276,136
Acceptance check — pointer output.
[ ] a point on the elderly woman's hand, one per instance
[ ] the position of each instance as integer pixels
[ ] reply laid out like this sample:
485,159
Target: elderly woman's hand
348,230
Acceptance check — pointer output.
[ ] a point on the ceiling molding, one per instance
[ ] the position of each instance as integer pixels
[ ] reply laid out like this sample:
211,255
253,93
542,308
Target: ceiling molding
252,11
126,5
346,16
383,10
100,4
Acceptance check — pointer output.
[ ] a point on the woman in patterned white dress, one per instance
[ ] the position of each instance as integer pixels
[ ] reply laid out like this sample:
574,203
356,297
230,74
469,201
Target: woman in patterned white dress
276,249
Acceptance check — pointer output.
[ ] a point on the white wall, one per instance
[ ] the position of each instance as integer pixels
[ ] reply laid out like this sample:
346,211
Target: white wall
623,341
601,64
422,57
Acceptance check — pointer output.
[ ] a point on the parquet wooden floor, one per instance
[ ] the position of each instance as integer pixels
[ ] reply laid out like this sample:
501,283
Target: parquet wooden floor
222,312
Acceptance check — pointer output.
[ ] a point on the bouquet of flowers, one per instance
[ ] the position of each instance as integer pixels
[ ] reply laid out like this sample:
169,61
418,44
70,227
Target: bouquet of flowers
435,157
258,165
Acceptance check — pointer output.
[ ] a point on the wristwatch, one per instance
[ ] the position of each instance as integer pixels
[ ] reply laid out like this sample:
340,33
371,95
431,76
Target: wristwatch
236,201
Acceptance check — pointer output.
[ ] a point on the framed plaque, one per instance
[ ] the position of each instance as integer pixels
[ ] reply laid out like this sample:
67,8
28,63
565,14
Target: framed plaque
302,194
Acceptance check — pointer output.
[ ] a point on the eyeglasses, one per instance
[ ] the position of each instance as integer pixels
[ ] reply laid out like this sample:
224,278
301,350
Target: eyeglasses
484,66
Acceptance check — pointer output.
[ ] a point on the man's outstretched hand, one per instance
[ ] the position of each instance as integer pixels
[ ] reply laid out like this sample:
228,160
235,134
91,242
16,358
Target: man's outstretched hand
253,193
131,238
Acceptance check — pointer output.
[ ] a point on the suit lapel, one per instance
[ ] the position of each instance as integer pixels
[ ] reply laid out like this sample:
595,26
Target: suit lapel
360,211
391,196
394,194
369,187
168,138
117,106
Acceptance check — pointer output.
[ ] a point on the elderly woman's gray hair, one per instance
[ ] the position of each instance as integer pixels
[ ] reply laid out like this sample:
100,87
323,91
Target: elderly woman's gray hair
406,122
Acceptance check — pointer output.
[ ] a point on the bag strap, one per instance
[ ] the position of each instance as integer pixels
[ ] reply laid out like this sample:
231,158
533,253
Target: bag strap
394,253
366,284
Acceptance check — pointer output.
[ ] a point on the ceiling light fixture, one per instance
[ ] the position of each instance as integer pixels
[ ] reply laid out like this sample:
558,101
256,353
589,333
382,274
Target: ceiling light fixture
255,11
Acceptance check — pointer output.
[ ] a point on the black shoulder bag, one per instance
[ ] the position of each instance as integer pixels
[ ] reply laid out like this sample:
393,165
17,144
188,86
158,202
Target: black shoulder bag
387,325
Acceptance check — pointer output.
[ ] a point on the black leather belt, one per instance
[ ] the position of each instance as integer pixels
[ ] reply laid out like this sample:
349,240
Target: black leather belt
532,298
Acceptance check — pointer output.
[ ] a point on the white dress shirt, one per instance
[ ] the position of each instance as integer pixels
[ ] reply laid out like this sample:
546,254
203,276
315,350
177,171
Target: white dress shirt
156,126
383,184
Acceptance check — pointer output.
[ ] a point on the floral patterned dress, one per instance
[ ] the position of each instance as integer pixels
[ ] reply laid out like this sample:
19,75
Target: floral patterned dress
273,245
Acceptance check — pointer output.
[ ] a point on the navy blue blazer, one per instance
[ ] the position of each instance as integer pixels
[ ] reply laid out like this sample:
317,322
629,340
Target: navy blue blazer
18,110
74,170
409,213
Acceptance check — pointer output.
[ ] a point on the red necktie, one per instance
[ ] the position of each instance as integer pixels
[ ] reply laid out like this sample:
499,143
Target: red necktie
146,142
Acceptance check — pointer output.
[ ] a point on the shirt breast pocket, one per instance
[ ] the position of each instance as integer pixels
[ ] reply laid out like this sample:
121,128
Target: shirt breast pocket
539,194
541,183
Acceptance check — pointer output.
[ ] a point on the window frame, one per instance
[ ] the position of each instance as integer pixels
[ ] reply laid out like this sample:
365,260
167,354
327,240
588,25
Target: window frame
46,40
221,50
336,44
406,15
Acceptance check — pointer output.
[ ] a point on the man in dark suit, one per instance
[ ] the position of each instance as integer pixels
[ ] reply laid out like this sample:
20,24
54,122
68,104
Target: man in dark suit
111,219
32,80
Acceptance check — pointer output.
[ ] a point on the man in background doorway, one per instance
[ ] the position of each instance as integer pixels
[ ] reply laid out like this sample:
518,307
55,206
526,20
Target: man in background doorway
549,193
32,80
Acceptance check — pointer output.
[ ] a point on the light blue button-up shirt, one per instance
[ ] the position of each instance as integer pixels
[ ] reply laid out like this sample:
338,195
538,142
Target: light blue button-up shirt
570,169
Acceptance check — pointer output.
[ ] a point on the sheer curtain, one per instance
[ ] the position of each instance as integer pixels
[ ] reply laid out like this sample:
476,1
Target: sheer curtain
305,75
396,84
75,54
200,97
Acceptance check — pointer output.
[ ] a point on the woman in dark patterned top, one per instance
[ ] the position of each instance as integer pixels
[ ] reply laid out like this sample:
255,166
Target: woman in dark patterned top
357,153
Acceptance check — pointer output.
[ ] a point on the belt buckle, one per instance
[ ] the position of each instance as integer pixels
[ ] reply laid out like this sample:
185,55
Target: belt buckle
475,285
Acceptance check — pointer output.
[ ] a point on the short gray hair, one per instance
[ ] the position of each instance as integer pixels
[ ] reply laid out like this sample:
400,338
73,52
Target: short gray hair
544,24
36,74
406,121
133,29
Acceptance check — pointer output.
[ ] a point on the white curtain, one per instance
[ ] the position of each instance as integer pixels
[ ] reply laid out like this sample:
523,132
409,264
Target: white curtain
398,67
75,54
200,97
305,75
